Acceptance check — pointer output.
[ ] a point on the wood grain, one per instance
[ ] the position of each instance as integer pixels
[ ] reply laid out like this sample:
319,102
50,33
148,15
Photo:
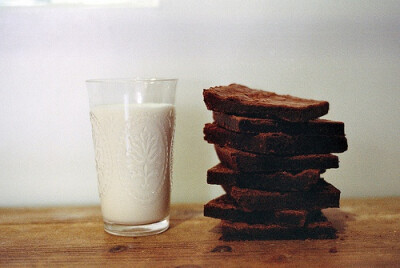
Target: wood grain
369,236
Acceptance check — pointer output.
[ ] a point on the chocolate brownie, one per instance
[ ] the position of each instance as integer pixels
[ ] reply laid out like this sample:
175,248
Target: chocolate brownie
274,143
321,195
315,228
281,181
258,125
240,100
225,208
251,162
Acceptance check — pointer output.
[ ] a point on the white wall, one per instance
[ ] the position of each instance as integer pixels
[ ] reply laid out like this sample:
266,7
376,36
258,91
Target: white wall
346,52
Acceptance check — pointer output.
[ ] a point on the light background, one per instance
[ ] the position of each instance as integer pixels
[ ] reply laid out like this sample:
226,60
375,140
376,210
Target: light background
345,52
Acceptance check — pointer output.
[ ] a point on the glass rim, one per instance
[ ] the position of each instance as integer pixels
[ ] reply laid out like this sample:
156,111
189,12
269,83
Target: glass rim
131,80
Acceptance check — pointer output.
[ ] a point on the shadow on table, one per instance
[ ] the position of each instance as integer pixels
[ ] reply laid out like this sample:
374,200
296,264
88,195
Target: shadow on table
339,218
179,216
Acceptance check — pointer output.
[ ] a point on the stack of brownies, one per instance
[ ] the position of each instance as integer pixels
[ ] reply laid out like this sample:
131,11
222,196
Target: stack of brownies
272,150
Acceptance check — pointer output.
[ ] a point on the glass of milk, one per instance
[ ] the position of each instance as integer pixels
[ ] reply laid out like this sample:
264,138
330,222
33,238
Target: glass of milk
133,123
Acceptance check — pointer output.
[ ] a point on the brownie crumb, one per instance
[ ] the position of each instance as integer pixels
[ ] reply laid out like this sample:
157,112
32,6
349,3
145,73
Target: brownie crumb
333,250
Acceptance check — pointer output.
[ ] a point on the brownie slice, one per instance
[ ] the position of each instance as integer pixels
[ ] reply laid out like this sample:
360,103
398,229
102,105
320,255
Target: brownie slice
258,125
321,195
318,227
281,181
225,208
251,162
240,100
274,143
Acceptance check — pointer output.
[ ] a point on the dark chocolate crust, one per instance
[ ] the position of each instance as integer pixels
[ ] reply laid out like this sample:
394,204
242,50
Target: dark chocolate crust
258,125
281,181
321,195
240,100
251,162
274,143
315,228
225,208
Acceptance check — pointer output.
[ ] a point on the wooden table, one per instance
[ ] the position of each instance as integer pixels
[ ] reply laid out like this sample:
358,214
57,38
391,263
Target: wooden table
369,236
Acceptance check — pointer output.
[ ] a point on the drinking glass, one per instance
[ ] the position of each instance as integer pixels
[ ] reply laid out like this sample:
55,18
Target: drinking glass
133,123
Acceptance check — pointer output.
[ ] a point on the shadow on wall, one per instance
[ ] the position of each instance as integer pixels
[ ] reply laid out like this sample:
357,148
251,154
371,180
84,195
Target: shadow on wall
192,154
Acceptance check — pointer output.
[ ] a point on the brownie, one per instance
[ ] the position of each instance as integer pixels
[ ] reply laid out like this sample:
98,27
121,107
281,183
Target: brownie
258,125
282,181
240,100
274,142
251,162
316,228
321,195
225,208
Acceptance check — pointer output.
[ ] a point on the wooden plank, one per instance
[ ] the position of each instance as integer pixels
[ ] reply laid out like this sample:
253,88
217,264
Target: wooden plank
369,236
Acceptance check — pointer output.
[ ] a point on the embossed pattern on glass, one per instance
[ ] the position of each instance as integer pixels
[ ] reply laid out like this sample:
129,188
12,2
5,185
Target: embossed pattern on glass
133,157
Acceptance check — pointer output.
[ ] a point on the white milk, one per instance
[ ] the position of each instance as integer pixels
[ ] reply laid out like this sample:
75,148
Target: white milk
133,147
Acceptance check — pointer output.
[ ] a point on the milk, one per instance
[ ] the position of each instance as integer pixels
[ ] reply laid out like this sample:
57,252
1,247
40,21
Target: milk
133,149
